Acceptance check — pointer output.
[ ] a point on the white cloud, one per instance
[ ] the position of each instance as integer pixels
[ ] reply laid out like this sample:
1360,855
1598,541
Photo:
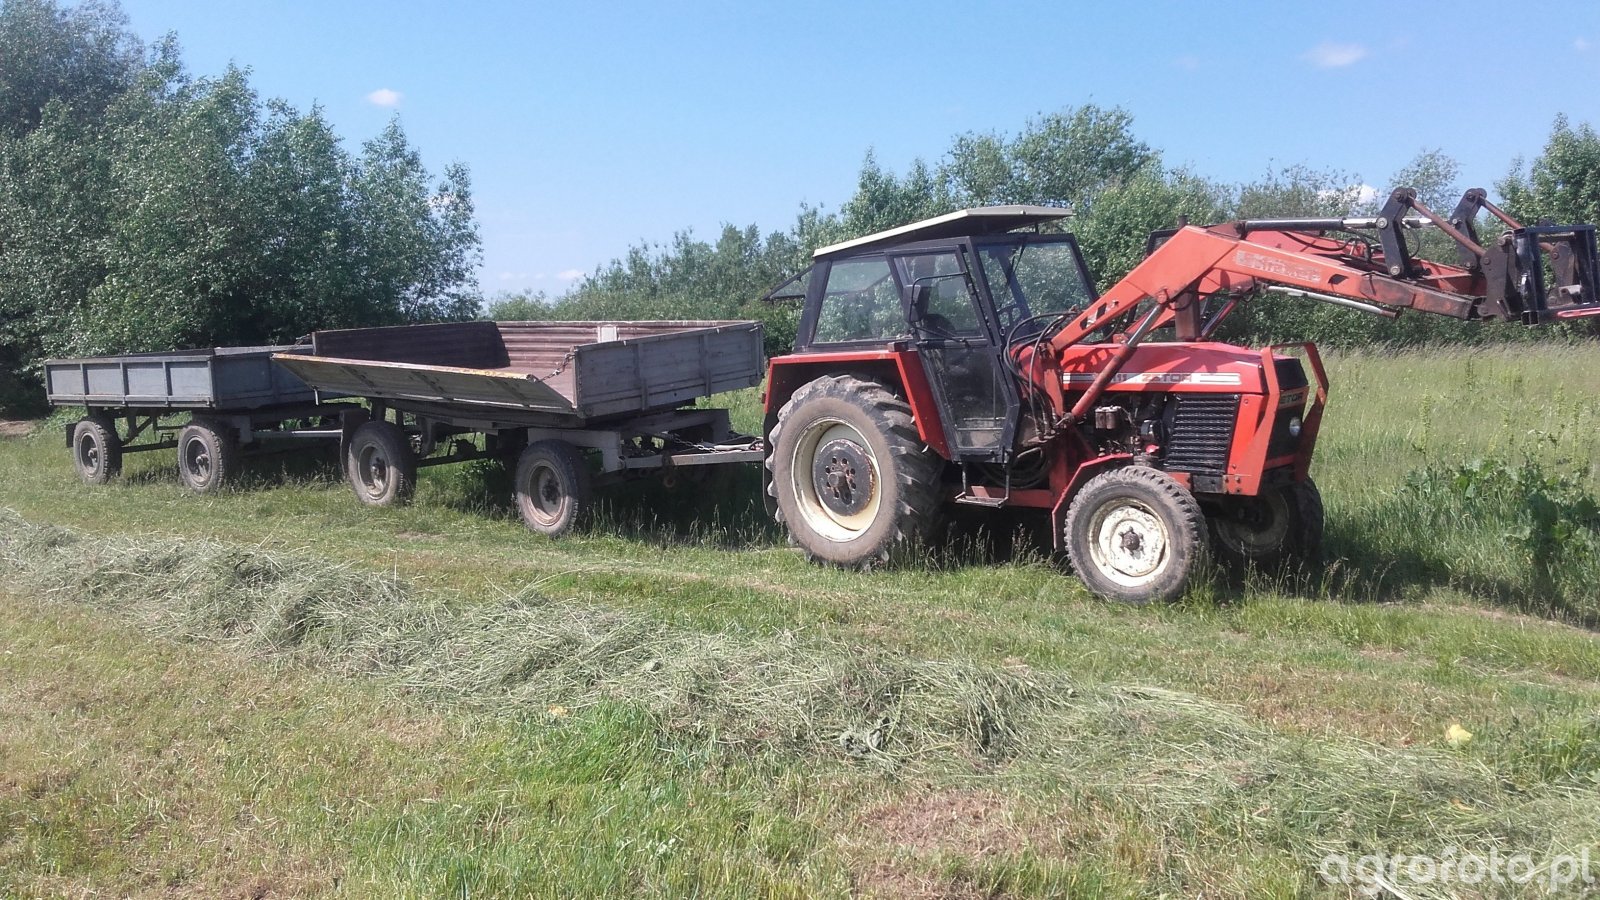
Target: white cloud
513,276
1366,193
1581,45
1330,55
384,97
570,274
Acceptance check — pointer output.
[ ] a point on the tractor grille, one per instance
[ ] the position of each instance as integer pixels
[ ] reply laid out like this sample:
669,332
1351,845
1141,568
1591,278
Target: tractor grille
1200,431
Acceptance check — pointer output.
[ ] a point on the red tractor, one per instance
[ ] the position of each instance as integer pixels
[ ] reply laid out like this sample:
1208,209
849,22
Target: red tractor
963,360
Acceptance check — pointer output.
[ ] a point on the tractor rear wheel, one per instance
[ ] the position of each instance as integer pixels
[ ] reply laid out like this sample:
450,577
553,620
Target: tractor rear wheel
1135,535
96,449
1277,527
852,479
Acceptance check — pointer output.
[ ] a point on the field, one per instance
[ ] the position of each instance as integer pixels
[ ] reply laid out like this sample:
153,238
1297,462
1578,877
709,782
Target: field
277,693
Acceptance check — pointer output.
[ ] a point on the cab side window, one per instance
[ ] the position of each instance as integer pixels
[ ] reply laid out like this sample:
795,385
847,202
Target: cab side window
861,302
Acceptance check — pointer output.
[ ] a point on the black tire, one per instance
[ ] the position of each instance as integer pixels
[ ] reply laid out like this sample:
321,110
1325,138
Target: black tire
380,465
208,456
1280,527
852,480
1134,535
96,449
552,487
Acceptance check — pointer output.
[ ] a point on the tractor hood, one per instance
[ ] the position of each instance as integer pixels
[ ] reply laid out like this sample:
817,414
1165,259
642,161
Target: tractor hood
1206,367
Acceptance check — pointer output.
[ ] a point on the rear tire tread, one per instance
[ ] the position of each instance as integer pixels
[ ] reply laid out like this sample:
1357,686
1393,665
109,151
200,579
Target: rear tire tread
917,468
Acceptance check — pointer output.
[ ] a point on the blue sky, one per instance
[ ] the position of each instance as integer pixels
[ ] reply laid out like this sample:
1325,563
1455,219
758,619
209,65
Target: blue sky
592,126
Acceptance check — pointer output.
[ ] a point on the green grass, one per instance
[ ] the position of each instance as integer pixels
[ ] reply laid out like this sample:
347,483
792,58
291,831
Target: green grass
431,701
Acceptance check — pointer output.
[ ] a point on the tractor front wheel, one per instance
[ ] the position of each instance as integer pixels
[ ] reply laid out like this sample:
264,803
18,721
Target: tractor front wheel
1135,535
852,479
1277,527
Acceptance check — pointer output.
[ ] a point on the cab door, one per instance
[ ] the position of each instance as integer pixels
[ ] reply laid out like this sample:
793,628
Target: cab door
960,350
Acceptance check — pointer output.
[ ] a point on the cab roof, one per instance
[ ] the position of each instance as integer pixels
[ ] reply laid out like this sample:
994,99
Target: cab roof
962,223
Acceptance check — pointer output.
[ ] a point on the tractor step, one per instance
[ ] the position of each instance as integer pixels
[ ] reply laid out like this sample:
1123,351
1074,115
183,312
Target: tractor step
987,502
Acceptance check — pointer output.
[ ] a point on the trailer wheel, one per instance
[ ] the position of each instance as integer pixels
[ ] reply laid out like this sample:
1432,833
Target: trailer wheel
380,464
1135,535
1278,527
852,479
208,455
552,487
96,449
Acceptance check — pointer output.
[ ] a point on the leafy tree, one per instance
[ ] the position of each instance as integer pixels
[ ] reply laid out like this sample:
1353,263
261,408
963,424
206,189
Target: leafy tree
1563,182
1074,156
1123,214
883,200
419,246
81,57
1297,191
142,208
1434,175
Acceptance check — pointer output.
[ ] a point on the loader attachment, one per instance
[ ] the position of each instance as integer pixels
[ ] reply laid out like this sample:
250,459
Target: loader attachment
1541,273
1535,274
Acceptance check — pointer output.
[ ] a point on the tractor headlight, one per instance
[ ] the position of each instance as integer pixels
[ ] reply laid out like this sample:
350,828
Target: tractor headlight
1294,426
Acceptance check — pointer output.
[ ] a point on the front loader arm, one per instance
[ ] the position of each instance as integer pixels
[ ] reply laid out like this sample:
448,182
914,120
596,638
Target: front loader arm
1508,279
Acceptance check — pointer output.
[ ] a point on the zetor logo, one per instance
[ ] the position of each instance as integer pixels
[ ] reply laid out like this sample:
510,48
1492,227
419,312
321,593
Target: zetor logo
1225,378
1272,265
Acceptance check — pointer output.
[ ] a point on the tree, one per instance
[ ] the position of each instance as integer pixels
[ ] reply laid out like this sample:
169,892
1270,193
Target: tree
419,247
882,200
142,208
1073,156
81,57
1563,183
1122,215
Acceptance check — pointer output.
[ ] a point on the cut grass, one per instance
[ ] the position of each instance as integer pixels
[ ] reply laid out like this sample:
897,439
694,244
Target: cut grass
1208,747
137,767
1177,775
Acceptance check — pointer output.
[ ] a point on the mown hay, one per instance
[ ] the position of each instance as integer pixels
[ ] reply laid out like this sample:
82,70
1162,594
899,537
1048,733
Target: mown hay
1207,773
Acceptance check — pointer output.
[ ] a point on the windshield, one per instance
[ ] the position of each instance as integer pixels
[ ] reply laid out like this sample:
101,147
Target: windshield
1034,279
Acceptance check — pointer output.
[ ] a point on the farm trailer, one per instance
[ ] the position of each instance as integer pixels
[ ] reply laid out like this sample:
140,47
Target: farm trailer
543,396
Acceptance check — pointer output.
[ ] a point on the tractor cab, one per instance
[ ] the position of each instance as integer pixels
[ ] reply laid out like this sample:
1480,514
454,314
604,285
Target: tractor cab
955,290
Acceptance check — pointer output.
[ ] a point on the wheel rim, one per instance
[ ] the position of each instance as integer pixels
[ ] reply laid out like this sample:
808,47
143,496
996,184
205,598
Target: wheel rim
544,500
373,467
1256,527
89,454
197,459
1129,542
835,480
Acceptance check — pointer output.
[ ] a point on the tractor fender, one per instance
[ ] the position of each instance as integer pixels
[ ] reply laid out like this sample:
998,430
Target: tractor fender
1085,471
901,370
